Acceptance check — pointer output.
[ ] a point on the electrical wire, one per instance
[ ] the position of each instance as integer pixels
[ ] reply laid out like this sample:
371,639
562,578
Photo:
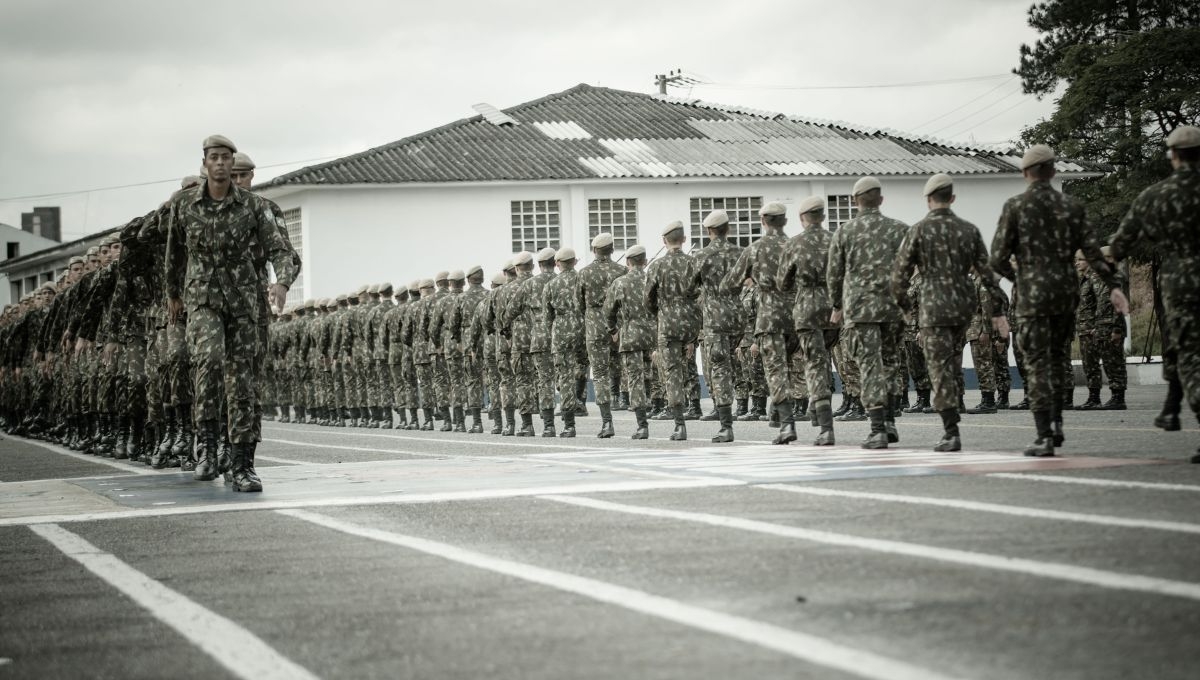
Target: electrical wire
873,86
963,106
976,112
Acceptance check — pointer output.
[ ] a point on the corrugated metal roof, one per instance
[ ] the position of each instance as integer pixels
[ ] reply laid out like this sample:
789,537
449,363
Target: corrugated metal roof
595,132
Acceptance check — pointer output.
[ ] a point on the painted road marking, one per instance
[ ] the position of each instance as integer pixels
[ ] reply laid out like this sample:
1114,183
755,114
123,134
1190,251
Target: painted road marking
1064,572
996,508
241,652
810,648
1095,481
480,440
391,499
135,468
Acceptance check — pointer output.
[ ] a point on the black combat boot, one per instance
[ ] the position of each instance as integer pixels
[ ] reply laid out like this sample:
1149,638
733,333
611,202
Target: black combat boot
301,415
606,426
284,413
207,468
427,426
1093,400
742,407
497,420
1116,402
680,433
987,405
510,425
951,441
527,425
889,419
856,413
581,396
447,426
622,401
844,407
756,411
1022,405
106,439
725,434
181,449
920,404
824,413
1044,446
904,404
787,426
121,446
773,415
693,412
800,409
878,439
244,476
662,411
225,458
568,430
643,424
414,419
460,421
1001,400
476,421
1168,419
548,423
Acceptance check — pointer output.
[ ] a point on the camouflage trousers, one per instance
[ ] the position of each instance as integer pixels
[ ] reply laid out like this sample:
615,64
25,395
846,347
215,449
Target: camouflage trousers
524,381
1046,343
491,372
456,388
753,379
719,362
154,376
981,356
408,371
379,387
504,368
799,383
473,382
360,375
942,347
426,392
337,373
441,381
1181,359
601,357
1000,362
637,369
813,355
917,369
773,348
676,371
132,397
1099,349
543,363
567,366
847,369
875,347
177,363
222,346
399,388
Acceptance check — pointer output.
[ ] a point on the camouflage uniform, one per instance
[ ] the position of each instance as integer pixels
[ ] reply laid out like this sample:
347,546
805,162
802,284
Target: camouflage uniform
1108,322
912,339
467,331
564,318
627,318
773,327
531,301
721,308
802,276
752,379
671,296
503,331
979,337
392,342
594,281
1085,329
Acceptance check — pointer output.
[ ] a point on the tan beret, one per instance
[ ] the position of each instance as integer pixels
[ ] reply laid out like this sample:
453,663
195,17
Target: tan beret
545,254
218,140
78,259
341,297
635,251
522,258
1036,155
716,218
203,173
189,181
427,283
310,303
1106,251
373,289
457,275
1079,255
507,266
441,276
93,251
385,289
672,227
812,203
363,289
773,208
565,253
602,240
242,161
474,269
936,182
415,285
499,279
865,184
1184,137
47,286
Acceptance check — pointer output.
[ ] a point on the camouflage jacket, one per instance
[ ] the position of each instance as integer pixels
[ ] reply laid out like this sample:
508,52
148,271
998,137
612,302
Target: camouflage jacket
626,315
504,294
802,276
480,332
720,306
861,255
519,324
447,312
1108,319
376,312
760,262
594,282
1168,214
393,333
532,300
209,258
985,309
564,317
1085,313
417,335
1043,228
671,296
946,249
464,318
749,304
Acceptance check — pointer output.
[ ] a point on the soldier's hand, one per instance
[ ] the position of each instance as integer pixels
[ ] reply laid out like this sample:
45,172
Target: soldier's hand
615,337
1118,338
174,310
1000,323
277,295
754,350
110,350
1119,301
836,317
80,345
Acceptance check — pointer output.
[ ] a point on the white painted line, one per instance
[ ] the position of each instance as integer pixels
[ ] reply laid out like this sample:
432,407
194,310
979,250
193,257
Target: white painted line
390,499
135,468
482,441
241,652
996,508
1055,570
809,648
1096,481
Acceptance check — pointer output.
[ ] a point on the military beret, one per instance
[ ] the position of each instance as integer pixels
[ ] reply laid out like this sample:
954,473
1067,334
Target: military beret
1079,255
1184,137
565,253
1036,155
772,209
242,161
76,260
635,250
602,240
499,279
457,275
545,254
218,140
310,303
474,269
441,276
373,289
1106,251
341,297
864,185
427,283
93,251
415,285
508,266
522,258
363,289
47,286
672,227
812,203
938,181
385,289
716,218
189,181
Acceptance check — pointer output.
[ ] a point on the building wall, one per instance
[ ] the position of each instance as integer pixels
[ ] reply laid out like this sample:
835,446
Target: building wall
14,284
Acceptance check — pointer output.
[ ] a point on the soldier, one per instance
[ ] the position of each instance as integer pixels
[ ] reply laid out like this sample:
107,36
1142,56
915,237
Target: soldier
721,316
912,341
594,280
380,384
564,318
671,296
753,376
946,248
502,329
392,342
220,298
1000,344
485,329
531,299
468,333
417,336
803,276
860,255
1168,214
1108,341
451,345
635,331
408,366
519,338
1043,229
979,337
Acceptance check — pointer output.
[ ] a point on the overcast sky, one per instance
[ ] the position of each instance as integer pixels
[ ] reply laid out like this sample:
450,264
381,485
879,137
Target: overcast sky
104,94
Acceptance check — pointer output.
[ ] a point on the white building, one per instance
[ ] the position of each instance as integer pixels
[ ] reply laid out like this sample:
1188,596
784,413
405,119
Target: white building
19,245
558,170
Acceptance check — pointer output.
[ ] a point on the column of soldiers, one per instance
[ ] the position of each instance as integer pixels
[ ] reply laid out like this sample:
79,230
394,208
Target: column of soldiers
95,360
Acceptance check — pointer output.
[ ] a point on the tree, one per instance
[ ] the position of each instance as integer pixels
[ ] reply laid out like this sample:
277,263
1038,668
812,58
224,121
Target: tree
1131,70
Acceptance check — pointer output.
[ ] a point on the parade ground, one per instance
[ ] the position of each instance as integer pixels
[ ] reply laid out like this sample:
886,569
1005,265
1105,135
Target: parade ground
397,554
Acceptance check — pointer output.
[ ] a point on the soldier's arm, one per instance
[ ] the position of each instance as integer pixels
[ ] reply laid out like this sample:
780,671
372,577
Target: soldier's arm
651,294
741,270
835,270
988,277
175,260
279,252
906,262
1133,227
1004,243
612,306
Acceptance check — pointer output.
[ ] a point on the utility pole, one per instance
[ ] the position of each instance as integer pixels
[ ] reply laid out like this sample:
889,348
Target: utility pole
663,80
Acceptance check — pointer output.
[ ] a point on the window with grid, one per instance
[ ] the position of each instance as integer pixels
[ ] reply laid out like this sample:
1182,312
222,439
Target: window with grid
535,225
617,216
291,219
745,226
840,210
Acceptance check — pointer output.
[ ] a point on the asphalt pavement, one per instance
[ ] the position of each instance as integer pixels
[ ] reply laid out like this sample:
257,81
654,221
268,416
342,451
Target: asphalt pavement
397,554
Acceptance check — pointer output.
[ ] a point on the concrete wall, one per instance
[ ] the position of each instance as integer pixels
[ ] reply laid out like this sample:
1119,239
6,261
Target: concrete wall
28,243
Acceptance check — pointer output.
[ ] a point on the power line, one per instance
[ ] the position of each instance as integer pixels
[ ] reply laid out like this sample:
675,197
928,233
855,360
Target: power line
998,113
144,184
963,106
872,86
976,112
